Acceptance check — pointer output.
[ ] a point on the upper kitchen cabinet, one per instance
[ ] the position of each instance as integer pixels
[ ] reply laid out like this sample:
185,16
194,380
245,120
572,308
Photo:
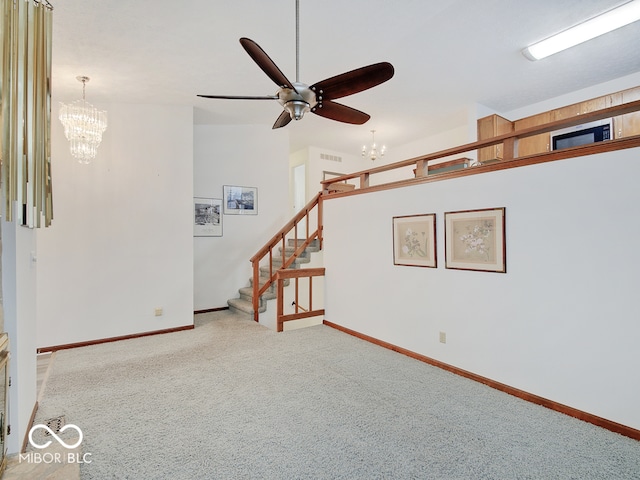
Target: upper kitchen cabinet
489,127
627,125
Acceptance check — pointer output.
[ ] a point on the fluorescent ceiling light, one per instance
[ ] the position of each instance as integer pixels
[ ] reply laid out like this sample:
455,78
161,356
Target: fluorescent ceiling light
608,21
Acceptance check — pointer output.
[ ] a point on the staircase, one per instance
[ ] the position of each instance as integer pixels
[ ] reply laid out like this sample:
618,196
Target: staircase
244,303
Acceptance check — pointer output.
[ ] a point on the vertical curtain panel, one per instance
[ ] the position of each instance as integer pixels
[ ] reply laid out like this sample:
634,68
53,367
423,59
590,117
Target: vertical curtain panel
25,96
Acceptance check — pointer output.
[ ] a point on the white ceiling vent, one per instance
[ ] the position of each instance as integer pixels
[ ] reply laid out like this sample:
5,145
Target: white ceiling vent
333,158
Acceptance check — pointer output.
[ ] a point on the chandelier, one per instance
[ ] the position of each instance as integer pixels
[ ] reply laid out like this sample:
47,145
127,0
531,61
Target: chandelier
83,126
373,151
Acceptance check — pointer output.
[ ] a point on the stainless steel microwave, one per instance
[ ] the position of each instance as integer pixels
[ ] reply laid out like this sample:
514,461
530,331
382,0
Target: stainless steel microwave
582,134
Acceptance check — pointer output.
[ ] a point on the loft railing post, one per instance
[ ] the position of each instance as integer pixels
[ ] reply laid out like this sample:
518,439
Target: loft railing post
364,180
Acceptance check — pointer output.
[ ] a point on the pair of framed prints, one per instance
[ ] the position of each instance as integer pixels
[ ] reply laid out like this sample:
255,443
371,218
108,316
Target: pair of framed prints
207,219
474,240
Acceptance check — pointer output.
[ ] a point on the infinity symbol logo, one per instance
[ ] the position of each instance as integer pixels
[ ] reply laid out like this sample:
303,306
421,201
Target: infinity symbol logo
58,439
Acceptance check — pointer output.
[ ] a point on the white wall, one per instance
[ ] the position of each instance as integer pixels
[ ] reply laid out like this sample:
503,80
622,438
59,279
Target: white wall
120,243
562,323
19,293
317,166
249,156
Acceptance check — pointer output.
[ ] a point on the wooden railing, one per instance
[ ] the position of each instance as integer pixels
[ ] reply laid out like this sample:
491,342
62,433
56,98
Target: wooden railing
510,159
280,239
426,168
283,275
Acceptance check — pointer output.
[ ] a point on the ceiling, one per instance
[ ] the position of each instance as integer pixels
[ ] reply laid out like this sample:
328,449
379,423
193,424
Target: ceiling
447,54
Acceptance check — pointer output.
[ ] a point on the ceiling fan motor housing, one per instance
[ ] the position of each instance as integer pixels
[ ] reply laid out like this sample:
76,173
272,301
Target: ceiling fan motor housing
297,102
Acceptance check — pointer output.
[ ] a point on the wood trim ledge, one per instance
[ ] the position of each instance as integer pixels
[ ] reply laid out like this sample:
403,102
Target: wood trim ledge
529,397
112,339
32,419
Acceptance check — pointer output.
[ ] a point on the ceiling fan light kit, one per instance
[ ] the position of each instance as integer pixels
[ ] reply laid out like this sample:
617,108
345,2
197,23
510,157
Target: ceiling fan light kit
596,26
298,98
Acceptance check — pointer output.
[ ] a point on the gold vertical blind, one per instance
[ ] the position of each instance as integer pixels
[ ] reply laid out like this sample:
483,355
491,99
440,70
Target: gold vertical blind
25,96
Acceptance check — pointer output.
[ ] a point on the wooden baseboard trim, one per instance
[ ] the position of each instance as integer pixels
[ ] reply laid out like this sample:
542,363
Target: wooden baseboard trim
32,419
209,310
113,339
558,407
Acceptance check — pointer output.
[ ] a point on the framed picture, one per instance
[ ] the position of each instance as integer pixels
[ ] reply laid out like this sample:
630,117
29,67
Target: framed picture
240,200
207,217
475,240
414,240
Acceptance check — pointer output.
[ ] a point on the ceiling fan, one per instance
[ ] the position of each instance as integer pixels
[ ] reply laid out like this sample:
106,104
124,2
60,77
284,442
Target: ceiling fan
297,98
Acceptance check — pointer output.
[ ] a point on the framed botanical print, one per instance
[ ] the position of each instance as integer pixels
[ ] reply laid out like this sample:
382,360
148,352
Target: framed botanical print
414,240
475,240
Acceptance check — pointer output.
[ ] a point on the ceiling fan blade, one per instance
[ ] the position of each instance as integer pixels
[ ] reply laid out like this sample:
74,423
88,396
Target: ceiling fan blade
241,97
265,63
341,113
354,81
282,120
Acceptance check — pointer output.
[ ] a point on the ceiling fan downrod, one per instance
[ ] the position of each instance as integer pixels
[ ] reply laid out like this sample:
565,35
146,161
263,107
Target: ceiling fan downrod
297,41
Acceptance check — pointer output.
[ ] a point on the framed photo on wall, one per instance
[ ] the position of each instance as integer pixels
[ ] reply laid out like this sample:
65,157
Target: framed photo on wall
414,240
207,217
475,240
240,200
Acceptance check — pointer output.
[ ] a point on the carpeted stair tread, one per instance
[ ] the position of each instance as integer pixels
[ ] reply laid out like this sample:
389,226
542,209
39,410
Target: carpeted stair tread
244,306
247,293
314,246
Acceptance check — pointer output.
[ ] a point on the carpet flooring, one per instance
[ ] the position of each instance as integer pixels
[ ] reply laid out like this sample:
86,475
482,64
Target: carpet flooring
231,399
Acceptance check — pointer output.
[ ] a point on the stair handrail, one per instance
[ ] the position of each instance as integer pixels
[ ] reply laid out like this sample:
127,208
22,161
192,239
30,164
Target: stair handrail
280,238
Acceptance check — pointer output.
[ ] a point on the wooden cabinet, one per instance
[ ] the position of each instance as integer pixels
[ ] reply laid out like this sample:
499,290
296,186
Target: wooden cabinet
566,112
536,143
627,125
541,143
599,103
624,125
489,127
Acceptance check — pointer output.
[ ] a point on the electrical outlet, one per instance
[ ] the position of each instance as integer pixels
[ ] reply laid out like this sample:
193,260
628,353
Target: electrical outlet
443,337
158,312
